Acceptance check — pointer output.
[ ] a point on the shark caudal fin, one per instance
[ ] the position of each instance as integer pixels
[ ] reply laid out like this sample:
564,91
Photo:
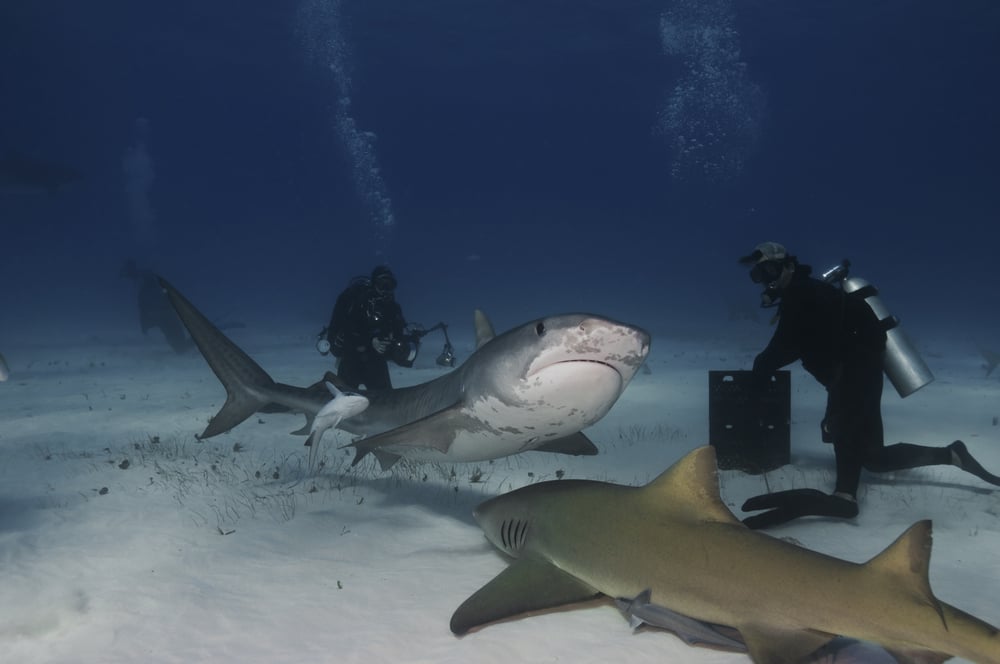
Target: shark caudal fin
240,375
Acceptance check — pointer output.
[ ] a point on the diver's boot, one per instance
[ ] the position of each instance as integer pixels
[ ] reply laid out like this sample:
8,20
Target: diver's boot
961,458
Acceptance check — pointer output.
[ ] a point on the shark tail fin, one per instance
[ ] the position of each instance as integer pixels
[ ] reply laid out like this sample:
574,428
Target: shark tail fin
239,374
908,559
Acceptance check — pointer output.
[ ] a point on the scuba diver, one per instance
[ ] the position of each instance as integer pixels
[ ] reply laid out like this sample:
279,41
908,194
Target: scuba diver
840,337
367,329
154,308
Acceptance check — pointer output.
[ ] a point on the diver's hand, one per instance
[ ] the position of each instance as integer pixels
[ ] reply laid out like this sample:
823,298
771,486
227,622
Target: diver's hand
783,506
380,345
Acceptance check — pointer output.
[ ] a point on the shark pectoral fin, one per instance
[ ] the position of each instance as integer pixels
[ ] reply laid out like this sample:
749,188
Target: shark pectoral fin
769,645
576,444
386,460
437,431
527,585
306,428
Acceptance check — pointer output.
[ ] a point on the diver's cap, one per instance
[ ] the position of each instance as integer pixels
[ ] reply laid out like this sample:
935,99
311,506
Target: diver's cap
765,251
383,278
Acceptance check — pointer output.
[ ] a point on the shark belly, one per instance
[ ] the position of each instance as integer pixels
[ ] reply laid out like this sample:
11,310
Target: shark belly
557,402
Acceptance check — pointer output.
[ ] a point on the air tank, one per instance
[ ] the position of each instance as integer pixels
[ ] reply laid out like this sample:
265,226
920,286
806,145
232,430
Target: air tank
906,370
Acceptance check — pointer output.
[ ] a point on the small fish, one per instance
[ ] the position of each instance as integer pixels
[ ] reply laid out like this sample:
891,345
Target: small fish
341,406
4,369
641,611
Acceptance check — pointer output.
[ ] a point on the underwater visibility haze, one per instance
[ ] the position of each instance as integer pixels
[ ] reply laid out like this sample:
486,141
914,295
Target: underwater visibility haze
526,159
606,154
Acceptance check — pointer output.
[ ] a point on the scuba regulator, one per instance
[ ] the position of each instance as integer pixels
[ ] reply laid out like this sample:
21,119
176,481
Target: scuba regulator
906,370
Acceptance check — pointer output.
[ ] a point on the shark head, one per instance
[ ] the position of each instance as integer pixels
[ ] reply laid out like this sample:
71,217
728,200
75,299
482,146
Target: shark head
520,521
572,366
506,522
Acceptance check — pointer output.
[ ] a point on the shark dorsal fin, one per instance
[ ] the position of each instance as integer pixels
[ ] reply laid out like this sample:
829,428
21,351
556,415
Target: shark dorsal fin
909,560
691,487
484,328
909,554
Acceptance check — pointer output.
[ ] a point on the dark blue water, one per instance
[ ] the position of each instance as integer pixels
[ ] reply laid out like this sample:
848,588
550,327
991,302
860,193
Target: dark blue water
613,155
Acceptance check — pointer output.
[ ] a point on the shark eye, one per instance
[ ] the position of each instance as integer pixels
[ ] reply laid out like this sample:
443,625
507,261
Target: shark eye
540,329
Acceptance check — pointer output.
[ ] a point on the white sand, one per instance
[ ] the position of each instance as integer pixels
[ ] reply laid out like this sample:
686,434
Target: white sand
227,551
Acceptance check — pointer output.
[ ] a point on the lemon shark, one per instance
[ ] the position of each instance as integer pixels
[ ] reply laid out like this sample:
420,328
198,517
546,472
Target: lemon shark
534,387
674,545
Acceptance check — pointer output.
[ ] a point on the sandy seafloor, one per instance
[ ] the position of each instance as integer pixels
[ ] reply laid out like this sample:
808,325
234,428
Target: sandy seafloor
125,539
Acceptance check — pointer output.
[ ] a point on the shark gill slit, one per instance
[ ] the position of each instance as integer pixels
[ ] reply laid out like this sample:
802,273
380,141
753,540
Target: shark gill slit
512,534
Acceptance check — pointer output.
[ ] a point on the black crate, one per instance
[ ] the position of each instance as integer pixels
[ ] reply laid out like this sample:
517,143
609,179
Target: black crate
750,432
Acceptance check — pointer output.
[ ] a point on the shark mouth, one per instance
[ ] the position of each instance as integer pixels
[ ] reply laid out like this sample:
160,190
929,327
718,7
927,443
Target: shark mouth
562,363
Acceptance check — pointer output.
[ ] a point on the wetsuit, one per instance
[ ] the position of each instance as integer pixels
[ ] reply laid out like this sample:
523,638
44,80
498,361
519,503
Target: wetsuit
841,343
360,314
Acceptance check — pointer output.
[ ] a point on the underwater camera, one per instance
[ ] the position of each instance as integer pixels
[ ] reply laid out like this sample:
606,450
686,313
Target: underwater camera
403,352
446,358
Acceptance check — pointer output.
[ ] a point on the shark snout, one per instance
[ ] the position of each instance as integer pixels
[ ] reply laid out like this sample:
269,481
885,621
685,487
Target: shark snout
589,339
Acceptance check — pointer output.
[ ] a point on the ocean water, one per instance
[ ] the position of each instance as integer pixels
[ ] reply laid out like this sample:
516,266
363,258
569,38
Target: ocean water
524,158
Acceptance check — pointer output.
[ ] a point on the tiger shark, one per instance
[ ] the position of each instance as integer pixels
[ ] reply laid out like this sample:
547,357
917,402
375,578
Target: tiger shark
675,547
534,387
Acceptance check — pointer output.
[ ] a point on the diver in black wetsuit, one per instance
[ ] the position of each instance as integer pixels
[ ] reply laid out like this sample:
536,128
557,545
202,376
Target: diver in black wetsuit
154,308
841,342
367,329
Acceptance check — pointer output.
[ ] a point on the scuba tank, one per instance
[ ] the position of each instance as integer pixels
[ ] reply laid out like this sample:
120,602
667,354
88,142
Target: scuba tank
906,370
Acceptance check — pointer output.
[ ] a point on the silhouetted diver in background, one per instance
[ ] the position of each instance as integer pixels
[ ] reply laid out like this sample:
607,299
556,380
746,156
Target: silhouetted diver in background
155,309
20,174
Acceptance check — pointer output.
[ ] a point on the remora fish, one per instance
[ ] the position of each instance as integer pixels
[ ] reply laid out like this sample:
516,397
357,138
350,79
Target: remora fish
341,406
534,387
574,540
